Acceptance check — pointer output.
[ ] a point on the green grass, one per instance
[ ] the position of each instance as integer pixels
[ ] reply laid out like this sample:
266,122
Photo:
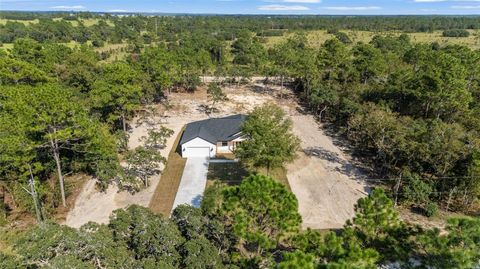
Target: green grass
278,173
233,174
228,173
7,239
164,196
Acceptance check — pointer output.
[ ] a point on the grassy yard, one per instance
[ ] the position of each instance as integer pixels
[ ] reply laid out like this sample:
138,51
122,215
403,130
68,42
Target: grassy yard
233,174
164,196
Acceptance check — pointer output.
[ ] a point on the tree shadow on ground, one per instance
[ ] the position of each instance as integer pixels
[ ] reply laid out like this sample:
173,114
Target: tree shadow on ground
197,200
229,173
342,166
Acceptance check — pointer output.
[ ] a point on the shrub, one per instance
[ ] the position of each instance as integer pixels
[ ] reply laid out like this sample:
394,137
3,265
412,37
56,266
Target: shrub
3,214
416,191
97,43
456,33
431,209
343,37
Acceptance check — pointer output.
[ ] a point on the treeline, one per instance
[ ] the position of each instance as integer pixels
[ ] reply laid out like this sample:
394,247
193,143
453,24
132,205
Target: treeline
456,33
222,27
253,225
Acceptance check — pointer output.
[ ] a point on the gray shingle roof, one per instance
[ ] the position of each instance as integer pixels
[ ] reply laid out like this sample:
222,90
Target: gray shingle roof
215,129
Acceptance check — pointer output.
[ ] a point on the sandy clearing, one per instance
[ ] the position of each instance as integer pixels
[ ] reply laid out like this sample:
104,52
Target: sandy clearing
93,205
325,182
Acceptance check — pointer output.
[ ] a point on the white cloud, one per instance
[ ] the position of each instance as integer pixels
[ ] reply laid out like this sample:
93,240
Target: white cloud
68,7
466,7
354,8
117,10
429,1
282,8
302,1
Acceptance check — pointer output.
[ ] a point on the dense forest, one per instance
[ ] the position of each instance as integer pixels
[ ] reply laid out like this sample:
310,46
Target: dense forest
410,110
253,225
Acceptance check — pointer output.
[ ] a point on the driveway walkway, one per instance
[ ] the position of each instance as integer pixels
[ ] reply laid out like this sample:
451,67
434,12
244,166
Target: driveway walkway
193,182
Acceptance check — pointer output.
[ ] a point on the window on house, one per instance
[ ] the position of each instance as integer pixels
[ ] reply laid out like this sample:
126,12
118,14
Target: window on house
224,143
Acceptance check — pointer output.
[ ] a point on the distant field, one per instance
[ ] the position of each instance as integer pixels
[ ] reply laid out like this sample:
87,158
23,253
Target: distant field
116,55
318,37
4,21
86,22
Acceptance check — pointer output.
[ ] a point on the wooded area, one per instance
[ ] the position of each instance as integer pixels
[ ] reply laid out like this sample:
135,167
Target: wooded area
411,111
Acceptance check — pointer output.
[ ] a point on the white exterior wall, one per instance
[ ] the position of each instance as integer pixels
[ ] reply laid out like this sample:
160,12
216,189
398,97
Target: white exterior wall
194,145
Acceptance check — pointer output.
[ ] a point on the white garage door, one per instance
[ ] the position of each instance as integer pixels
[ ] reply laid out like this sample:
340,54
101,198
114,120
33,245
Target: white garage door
197,152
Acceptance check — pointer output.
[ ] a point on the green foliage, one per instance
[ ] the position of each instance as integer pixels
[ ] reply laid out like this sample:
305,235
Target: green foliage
262,213
18,72
459,248
157,137
456,33
200,253
215,94
417,191
270,142
343,37
378,225
148,235
297,260
431,209
117,94
142,163
8,262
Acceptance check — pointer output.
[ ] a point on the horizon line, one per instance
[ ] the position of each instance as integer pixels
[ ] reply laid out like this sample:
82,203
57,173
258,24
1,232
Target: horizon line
230,14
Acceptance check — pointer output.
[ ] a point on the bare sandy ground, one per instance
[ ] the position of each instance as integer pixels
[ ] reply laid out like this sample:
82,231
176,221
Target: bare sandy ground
93,205
325,182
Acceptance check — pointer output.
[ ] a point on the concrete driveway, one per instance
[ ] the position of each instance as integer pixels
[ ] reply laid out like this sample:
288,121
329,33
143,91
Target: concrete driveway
193,182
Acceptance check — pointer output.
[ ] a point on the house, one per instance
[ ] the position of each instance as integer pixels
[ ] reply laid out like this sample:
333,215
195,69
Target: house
208,138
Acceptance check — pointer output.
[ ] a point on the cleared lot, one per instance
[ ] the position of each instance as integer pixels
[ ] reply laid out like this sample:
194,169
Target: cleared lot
326,183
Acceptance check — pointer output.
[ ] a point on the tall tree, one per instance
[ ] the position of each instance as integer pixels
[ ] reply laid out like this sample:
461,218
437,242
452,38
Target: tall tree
55,121
117,94
215,94
262,213
269,139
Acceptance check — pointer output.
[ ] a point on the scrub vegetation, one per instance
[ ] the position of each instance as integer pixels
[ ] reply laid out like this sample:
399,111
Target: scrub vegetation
406,103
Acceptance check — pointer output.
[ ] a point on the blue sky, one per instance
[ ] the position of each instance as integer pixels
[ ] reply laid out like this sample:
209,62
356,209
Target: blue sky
364,7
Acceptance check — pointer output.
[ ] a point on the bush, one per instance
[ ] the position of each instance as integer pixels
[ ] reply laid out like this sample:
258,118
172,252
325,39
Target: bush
416,191
343,37
431,209
3,214
456,33
98,43
266,33
332,31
